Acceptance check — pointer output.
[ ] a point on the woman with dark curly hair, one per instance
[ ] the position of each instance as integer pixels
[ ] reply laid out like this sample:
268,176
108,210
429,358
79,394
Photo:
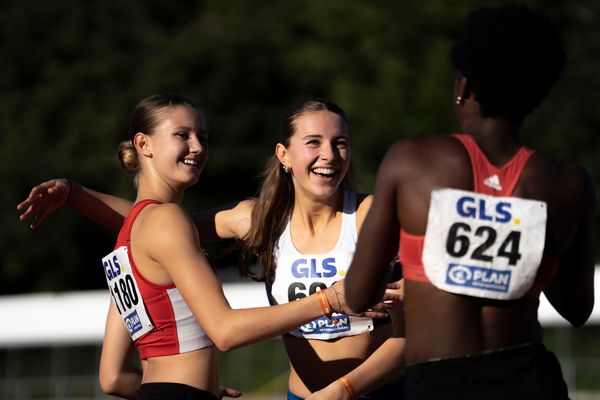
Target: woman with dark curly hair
482,225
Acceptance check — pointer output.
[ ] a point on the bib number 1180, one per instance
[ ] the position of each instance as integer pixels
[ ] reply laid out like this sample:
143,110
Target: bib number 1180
459,243
124,293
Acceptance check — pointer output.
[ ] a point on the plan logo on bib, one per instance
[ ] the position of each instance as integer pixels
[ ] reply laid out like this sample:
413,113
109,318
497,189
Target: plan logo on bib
477,277
323,325
133,323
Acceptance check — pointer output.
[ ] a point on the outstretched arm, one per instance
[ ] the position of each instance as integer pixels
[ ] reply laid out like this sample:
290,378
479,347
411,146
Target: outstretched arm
384,365
170,239
106,210
230,221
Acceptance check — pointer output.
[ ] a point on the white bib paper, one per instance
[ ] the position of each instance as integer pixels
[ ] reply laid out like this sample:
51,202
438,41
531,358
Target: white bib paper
299,276
125,292
483,246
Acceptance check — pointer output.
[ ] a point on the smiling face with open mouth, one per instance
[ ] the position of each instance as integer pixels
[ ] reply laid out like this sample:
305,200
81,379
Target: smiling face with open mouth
179,146
318,155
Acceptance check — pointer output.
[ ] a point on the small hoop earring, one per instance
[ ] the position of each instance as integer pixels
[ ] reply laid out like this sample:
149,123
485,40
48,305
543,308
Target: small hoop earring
286,169
148,155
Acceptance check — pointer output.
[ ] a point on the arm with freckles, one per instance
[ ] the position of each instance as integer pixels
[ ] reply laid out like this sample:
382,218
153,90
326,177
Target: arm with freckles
386,364
106,210
377,241
170,238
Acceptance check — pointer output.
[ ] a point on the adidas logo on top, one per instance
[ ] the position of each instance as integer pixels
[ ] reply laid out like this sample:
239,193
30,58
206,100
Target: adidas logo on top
493,182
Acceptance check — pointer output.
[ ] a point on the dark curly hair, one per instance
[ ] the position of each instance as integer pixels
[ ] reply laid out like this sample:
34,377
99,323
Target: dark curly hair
511,57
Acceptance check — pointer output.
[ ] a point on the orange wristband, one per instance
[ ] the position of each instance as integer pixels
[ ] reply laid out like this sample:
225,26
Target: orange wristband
324,301
348,386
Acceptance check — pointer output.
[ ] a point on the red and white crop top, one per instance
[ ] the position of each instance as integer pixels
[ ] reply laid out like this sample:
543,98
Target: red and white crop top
490,180
156,316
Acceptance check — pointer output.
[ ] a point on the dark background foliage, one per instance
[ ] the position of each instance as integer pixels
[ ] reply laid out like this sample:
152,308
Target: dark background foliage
71,72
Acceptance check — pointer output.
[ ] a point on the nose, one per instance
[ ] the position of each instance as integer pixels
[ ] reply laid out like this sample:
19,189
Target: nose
328,151
196,145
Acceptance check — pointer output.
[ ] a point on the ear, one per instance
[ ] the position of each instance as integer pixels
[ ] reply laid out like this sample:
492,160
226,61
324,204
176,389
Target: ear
282,154
143,144
462,89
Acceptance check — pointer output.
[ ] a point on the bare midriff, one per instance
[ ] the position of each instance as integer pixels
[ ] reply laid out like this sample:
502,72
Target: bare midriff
198,368
316,363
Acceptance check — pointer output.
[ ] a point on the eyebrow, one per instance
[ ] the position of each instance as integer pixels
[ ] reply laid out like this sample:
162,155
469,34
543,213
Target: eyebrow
319,136
188,129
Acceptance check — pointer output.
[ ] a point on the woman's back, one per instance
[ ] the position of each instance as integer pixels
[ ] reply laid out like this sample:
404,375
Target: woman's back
459,325
483,225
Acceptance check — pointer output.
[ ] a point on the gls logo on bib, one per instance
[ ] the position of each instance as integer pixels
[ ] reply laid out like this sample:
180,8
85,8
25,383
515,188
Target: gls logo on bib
307,268
125,292
299,276
483,246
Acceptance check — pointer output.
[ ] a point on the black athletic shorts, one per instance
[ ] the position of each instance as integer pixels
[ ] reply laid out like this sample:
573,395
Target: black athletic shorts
390,391
172,391
522,372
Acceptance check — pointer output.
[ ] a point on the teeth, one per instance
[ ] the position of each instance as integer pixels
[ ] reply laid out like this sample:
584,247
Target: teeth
324,171
190,162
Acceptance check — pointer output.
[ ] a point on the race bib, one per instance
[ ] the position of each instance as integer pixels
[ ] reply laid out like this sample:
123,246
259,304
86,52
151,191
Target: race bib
483,246
299,276
125,292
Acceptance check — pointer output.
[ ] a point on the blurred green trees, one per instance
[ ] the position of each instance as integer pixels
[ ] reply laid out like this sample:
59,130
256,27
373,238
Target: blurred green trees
70,73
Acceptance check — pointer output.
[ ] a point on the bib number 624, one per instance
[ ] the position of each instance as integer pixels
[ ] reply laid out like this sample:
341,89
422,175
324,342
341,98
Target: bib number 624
461,239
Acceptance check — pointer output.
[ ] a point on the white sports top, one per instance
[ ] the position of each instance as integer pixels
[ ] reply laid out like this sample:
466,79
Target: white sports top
298,275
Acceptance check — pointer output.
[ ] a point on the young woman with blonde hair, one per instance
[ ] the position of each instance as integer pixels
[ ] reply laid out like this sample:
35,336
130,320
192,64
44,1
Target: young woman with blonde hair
164,289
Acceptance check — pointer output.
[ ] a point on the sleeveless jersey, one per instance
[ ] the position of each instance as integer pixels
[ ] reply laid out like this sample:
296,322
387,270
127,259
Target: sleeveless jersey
482,243
156,316
298,275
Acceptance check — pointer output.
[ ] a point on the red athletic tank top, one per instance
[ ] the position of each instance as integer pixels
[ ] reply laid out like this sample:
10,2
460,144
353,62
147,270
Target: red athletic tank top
487,179
176,330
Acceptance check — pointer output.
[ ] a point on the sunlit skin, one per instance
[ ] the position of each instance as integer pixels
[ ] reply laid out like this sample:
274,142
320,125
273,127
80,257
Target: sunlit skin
457,325
183,142
165,248
318,158
318,155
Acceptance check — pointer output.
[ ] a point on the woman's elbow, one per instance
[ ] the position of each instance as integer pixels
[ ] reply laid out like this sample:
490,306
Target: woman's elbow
110,382
224,345
226,340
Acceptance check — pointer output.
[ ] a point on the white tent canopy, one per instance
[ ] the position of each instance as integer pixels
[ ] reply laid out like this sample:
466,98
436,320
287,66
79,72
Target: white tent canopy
71,318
